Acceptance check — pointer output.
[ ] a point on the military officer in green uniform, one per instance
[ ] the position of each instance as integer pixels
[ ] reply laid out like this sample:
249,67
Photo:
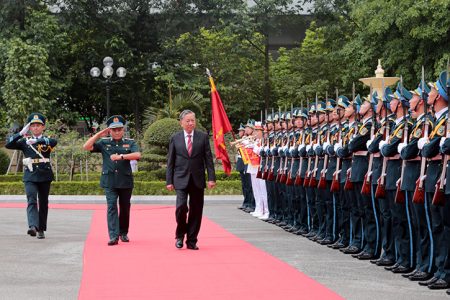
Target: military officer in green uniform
117,178
38,173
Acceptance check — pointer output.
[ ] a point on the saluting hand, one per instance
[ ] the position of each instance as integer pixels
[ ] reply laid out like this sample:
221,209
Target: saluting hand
103,133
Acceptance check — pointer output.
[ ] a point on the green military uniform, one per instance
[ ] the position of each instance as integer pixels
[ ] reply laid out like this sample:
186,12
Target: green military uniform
116,180
38,174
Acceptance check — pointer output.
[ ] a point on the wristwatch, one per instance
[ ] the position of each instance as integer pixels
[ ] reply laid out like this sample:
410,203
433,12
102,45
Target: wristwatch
121,156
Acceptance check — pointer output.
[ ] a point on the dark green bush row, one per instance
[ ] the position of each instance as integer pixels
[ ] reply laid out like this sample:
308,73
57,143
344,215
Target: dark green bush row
230,187
156,175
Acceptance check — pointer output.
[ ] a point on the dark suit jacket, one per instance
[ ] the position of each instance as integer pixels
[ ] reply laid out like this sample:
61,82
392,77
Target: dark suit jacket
181,167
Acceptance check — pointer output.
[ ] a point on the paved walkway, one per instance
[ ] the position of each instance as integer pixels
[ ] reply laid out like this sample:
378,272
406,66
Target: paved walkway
51,268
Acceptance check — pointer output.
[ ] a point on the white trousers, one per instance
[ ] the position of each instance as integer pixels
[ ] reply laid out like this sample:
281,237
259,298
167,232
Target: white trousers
260,194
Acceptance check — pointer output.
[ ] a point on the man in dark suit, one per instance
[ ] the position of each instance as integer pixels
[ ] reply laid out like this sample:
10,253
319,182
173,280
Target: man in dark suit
189,155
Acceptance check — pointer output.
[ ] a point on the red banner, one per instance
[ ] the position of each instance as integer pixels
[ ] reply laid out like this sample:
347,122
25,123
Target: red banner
220,125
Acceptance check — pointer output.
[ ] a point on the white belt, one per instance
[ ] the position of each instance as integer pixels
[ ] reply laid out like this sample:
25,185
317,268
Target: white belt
361,153
40,160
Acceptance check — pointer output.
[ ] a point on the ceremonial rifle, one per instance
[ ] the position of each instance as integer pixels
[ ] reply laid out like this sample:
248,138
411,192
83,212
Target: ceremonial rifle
348,183
438,198
283,177
323,180
260,171
298,177
280,167
380,192
400,194
266,167
419,192
313,181
289,180
365,190
311,142
335,185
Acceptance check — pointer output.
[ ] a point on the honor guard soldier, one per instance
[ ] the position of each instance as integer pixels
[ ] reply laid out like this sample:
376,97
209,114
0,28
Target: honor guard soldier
342,151
363,217
38,173
326,174
318,167
117,178
298,165
310,189
337,188
421,219
386,120
438,99
241,168
401,226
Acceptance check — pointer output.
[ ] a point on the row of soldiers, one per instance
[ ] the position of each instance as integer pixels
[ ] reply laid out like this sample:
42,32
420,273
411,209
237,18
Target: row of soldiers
366,176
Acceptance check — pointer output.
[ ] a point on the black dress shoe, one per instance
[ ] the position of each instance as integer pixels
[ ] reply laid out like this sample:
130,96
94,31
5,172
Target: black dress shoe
385,262
192,246
392,267
428,282
124,238
113,242
401,270
407,275
326,242
40,235
337,246
365,256
351,250
32,231
420,276
179,243
439,284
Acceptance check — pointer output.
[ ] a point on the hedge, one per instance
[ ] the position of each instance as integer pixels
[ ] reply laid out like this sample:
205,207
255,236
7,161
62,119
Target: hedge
230,187
156,175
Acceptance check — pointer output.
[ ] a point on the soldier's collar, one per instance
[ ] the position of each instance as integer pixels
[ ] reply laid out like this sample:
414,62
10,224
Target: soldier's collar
398,120
441,112
38,137
365,120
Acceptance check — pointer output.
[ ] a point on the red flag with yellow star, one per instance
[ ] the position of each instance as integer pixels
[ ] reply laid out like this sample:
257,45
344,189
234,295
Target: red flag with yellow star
220,125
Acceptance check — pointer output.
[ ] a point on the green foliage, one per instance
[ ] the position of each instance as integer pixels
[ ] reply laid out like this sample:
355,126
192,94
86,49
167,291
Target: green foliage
140,188
4,162
159,132
27,80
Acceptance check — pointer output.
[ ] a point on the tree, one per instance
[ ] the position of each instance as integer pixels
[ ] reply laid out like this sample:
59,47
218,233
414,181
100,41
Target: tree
27,80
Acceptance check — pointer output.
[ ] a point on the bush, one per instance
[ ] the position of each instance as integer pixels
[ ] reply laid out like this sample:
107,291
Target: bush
159,133
155,175
4,162
231,187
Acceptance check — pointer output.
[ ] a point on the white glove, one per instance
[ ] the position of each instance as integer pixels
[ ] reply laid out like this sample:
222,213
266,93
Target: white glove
300,147
25,129
337,146
272,148
291,149
442,141
382,143
400,147
368,143
284,148
266,148
31,141
308,147
315,146
421,142
325,145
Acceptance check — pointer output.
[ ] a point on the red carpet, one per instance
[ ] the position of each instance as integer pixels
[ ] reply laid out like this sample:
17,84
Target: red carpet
150,267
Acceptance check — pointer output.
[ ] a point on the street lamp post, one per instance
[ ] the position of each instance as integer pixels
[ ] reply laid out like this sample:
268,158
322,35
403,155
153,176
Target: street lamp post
107,73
